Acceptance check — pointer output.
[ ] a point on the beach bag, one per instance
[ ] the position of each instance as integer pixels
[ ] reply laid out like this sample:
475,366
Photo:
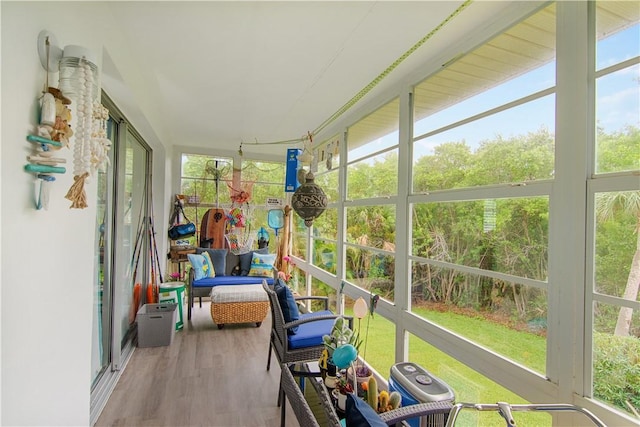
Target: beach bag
181,231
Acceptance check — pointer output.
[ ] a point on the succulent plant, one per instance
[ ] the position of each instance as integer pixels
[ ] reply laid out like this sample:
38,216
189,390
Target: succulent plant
395,399
372,393
340,334
383,401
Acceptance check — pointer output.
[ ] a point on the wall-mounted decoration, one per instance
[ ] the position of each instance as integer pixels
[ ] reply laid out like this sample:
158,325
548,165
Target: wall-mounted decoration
78,81
52,133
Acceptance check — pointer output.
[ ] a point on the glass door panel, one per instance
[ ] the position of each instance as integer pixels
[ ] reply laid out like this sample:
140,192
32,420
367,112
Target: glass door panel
121,253
102,308
131,251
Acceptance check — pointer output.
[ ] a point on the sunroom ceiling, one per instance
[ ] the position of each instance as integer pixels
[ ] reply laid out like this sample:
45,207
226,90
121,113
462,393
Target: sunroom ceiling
231,72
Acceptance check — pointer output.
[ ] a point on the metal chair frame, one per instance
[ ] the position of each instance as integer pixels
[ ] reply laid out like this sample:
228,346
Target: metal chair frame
505,410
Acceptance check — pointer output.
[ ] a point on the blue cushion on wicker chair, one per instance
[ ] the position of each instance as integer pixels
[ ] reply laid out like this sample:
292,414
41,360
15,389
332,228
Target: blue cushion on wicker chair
310,334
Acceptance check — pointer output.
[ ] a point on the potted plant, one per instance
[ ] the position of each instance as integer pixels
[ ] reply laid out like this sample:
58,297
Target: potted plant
340,334
363,373
343,387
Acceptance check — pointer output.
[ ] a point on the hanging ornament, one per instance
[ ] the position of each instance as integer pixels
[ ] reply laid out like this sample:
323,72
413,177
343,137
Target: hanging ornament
309,201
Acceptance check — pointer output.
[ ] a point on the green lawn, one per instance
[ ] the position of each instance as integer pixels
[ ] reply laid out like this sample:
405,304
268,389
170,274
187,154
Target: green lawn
468,385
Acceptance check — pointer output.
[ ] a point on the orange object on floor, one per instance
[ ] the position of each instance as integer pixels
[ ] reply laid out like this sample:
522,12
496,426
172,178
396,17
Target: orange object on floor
151,294
137,294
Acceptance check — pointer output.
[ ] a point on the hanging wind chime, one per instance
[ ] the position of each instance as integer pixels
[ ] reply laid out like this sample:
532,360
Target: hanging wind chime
81,149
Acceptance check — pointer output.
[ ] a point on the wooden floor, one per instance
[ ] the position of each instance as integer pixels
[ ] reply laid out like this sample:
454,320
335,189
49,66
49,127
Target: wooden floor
206,377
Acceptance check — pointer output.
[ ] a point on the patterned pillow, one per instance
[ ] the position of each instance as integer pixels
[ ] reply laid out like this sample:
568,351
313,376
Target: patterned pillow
211,269
218,259
202,266
245,260
262,265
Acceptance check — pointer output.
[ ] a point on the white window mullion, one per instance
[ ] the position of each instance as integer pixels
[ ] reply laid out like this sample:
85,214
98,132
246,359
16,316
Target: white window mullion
567,207
402,280
342,216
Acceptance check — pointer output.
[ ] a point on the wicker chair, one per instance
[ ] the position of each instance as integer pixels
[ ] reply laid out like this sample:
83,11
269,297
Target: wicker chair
299,404
279,341
437,412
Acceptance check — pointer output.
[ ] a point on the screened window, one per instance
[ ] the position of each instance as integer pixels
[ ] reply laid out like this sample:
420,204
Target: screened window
486,122
616,207
375,133
325,240
373,154
487,118
264,180
471,386
618,92
212,182
204,183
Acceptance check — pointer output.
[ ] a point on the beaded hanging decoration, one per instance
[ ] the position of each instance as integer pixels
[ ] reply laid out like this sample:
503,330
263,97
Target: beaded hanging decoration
82,148
100,144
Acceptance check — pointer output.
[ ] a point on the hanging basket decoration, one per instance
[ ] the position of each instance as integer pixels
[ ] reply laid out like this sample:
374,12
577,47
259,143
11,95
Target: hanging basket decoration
239,242
309,201
236,217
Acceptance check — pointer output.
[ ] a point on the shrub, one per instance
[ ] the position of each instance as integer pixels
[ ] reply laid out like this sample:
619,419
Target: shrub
616,370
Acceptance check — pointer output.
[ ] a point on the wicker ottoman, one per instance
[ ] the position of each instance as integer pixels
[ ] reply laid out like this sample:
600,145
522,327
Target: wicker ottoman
239,304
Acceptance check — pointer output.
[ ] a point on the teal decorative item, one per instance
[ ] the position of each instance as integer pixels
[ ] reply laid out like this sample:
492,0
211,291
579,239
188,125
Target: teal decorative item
263,238
344,355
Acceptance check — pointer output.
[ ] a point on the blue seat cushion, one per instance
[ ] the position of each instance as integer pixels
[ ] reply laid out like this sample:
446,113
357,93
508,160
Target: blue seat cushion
310,334
208,282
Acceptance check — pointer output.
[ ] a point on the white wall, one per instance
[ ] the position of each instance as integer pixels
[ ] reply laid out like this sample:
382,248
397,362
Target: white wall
47,257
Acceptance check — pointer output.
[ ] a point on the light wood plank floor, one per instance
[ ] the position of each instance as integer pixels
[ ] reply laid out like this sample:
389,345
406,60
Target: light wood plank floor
206,377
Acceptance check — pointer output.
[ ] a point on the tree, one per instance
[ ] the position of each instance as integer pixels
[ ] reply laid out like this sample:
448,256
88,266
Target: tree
616,152
607,205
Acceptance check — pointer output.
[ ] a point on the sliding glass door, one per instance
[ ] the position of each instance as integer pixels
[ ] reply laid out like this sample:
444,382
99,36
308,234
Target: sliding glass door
121,261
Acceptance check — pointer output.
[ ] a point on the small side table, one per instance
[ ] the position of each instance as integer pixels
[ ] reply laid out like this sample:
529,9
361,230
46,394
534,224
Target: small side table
173,292
179,256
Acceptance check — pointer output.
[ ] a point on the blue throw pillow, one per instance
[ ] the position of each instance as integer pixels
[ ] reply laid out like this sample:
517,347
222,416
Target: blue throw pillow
218,258
245,260
201,266
360,414
288,304
262,265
